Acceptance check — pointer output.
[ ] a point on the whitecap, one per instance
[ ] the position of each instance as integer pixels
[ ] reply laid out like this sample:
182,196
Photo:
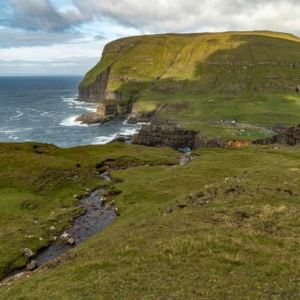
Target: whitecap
71,121
128,131
103,139
139,123
17,116
10,131
12,137
90,109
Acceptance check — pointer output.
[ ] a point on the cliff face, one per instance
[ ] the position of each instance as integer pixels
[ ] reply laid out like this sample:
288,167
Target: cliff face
98,90
110,108
174,137
151,135
230,69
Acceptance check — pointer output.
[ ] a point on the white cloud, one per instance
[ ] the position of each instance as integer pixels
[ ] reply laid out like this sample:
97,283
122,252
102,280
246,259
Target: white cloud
50,30
189,15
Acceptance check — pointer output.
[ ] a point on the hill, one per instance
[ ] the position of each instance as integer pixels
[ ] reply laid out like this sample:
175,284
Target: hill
253,77
224,226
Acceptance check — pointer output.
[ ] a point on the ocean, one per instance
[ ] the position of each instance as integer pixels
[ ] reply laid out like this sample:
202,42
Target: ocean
44,109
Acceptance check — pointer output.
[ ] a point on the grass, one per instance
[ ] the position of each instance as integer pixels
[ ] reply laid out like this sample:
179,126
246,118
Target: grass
251,76
37,187
224,226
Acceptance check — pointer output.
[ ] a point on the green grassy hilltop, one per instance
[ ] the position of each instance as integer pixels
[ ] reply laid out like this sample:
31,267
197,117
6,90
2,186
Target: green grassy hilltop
253,77
224,226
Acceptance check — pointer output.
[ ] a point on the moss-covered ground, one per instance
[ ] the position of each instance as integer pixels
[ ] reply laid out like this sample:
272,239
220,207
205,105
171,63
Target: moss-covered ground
224,226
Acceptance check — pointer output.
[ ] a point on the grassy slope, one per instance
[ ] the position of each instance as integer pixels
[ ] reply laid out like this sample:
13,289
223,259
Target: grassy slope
37,185
241,244
249,93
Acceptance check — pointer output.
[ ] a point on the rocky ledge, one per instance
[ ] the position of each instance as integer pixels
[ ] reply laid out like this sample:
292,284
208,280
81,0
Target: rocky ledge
90,119
174,137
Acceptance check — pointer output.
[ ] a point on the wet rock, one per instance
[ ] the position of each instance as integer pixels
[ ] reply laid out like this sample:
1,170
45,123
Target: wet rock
71,241
109,205
31,266
90,119
65,236
28,253
65,239
122,138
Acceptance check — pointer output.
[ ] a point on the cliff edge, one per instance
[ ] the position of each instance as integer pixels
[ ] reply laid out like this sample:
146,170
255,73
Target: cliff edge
249,76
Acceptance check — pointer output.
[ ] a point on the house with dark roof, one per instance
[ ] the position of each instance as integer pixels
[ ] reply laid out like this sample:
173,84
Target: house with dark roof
279,128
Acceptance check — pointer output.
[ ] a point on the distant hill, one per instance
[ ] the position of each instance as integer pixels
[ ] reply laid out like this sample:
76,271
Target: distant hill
253,77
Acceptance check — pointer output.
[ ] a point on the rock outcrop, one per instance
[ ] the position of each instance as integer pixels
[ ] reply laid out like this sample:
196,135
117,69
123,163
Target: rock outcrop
174,137
289,137
106,111
90,119
95,91
160,136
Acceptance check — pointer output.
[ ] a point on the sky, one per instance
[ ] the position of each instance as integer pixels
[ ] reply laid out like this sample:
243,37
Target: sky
66,37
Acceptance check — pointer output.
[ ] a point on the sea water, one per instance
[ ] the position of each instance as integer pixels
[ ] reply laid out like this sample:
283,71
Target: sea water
44,109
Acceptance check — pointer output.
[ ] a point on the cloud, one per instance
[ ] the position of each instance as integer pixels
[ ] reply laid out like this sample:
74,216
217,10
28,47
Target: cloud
72,66
9,39
41,15
190,15
100,37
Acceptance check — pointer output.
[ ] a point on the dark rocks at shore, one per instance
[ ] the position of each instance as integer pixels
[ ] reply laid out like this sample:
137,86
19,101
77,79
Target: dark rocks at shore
90,119
122,138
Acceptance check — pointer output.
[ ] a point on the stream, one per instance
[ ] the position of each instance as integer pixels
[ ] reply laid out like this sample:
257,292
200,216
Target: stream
95,219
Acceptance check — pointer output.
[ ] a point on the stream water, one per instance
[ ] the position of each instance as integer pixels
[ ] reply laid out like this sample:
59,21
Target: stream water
95,219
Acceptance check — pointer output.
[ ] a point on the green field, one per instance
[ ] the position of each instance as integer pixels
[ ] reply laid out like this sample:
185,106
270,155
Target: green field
225,226
253,77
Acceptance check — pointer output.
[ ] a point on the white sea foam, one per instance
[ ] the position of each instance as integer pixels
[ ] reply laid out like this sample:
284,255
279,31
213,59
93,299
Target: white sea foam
79,104
103,139
139,123
10,131
90,109
71,121
128,131
17,116
12,137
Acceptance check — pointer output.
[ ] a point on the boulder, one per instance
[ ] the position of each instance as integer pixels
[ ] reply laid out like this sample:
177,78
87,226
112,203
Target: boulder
31,266
28,253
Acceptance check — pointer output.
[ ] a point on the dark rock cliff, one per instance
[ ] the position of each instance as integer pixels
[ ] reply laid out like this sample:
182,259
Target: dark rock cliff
96,90
289,137
152,135
174,137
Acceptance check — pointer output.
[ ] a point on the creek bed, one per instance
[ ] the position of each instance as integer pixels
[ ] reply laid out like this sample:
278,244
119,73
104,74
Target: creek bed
95,219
